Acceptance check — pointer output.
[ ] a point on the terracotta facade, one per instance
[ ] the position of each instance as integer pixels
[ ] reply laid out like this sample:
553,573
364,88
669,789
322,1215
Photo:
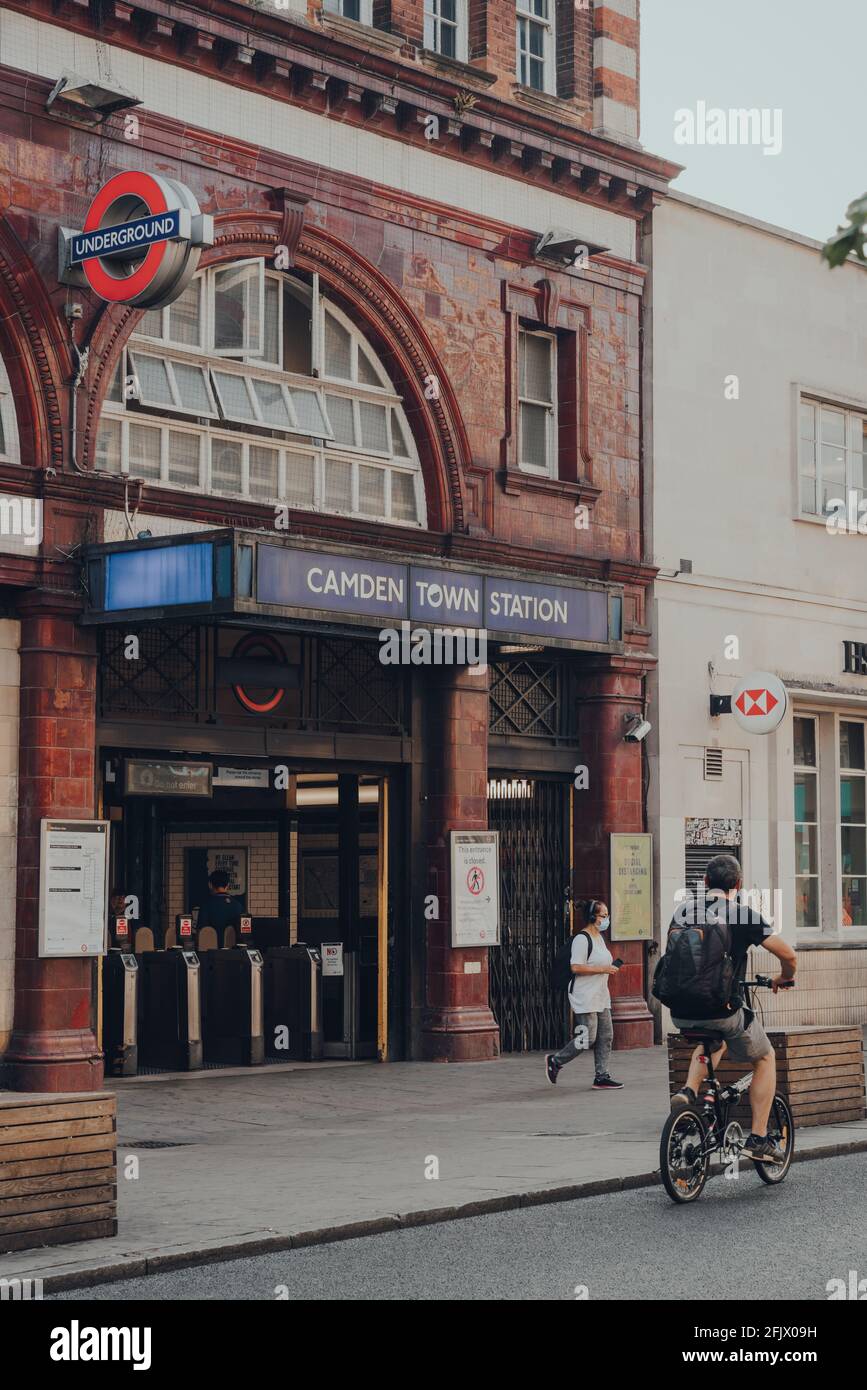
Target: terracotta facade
438,288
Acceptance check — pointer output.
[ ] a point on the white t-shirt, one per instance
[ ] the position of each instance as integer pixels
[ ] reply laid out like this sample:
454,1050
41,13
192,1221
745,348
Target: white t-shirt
588,994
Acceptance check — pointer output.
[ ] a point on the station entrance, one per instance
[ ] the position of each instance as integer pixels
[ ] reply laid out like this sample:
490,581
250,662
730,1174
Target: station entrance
296,965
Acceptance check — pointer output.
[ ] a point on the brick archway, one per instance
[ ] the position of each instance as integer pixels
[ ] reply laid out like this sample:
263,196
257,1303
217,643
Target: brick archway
37,359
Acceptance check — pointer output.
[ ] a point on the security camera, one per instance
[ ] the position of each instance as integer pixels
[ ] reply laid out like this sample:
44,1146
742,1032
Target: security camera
637,728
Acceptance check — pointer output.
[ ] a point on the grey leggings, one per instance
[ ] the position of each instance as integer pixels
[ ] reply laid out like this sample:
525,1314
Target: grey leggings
599,1036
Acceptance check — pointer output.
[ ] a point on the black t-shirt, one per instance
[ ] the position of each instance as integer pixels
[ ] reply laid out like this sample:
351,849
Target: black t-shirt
219,911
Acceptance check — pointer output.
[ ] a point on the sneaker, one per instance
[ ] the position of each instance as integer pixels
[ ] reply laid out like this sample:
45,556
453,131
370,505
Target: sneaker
764,1149
683,1098
552,1068
607,1083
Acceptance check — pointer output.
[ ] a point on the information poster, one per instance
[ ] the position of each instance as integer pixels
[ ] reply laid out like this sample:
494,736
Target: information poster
475,887
234,863
73,887
631,887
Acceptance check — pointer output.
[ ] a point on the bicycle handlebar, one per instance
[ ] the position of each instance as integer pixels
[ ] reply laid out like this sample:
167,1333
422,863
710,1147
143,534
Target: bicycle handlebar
765,982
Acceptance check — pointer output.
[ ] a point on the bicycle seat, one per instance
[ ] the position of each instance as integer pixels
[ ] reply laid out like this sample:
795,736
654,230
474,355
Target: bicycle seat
701,1034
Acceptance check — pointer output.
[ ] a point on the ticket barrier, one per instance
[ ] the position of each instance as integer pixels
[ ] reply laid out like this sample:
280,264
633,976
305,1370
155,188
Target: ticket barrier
120,1013
293,1003
170,1031
232,1013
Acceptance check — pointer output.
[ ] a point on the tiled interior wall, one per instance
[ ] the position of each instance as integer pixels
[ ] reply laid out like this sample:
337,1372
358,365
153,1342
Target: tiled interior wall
261,867
9,694
831,988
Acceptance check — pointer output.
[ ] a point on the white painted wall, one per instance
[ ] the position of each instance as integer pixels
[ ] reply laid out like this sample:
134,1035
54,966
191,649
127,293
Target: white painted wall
733,297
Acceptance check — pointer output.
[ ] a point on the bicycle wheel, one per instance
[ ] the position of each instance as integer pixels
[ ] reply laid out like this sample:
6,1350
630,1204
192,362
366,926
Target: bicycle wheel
782,1128
683,1165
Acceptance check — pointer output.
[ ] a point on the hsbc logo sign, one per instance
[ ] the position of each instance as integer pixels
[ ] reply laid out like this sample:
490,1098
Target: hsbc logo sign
759,702
756,703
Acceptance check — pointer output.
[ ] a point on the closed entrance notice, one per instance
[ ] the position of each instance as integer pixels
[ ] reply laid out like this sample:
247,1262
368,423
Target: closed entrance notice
475,888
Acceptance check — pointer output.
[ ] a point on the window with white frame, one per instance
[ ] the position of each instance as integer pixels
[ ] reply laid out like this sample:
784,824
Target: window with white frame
253,385
832,459
359,10
537,402
8,422
807,884
853,824
535,38
445,28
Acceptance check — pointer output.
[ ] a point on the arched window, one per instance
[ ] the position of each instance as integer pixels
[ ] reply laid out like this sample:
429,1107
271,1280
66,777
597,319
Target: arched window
8,422
253,385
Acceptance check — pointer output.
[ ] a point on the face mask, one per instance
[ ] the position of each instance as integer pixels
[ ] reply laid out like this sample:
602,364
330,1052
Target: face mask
604,924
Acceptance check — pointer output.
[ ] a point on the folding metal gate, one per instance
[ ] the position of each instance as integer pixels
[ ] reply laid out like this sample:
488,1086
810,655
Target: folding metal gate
532,817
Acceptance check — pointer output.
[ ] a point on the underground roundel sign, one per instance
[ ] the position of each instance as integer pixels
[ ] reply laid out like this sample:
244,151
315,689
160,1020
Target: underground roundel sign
140,243
759,702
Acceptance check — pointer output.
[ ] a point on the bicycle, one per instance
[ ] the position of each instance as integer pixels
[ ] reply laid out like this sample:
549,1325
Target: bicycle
691,1136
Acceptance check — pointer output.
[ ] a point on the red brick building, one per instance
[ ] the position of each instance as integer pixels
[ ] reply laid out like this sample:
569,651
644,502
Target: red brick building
377,347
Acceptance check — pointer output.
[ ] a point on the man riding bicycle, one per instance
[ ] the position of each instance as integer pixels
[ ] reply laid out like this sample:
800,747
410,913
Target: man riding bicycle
743,1036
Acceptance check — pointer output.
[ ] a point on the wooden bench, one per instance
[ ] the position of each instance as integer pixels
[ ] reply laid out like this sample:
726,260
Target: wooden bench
58,1168
820,1071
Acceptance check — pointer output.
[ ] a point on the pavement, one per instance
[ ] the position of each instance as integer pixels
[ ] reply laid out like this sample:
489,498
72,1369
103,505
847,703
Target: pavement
218,1165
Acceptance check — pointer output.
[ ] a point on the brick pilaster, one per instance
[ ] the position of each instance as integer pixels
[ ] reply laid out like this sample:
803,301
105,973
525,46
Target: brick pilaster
613,802
53,1047
574,34
615,69
458,1025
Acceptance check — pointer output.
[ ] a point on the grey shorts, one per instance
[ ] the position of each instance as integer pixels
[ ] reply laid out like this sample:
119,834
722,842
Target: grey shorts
745,1042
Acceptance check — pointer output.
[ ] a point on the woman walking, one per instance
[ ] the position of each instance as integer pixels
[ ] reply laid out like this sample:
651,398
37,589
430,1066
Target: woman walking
589,999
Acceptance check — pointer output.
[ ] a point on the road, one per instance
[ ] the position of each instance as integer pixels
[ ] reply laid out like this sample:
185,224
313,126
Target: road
740,1240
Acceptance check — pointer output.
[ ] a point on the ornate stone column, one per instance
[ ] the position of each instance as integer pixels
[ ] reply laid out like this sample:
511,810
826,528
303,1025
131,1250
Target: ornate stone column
458,1025
53,1046
613,802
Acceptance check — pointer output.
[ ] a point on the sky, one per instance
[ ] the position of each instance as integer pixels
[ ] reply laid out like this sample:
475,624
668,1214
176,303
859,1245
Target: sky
805,60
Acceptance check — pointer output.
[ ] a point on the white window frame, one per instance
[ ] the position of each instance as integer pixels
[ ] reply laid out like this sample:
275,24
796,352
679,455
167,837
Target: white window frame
550,468
247,351
816,826
526,13
365,11
434,23
319,447
855,420
11,449
134,353
860,774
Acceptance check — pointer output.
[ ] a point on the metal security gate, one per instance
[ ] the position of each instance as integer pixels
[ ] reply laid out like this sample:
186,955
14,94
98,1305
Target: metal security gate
532,817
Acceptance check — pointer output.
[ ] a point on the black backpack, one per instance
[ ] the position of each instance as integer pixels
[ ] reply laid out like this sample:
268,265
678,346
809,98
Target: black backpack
695,977
561,975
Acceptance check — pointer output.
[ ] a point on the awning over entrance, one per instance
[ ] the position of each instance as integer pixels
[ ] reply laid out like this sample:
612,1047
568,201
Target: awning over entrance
238,575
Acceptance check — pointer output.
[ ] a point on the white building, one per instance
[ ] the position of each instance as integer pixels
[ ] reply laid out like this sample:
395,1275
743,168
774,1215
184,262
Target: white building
757,419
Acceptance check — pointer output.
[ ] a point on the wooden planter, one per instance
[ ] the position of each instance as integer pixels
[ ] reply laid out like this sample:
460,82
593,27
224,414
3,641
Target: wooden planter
58,1173
820,1071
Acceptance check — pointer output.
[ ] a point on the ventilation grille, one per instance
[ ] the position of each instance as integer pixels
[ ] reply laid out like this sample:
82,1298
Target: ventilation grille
713,764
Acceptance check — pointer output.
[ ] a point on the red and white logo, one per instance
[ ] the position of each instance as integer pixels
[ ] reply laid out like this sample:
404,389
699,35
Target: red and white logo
140,243
475,881
759,702
755,702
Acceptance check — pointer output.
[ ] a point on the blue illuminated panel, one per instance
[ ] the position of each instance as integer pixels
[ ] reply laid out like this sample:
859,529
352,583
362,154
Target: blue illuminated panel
166,576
